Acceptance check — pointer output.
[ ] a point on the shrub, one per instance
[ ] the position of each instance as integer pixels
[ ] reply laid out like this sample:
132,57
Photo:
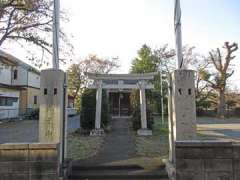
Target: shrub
31,114
89,109
237,111
136,119
34,114
136,113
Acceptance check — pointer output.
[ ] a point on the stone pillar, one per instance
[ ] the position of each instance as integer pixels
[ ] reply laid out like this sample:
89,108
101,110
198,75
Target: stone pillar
182,114
170,122
181,109
51,106
98,131
144,130
98,106
143,106
183,105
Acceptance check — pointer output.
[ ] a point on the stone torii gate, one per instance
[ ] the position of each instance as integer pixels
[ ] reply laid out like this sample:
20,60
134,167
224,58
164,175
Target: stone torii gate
121,82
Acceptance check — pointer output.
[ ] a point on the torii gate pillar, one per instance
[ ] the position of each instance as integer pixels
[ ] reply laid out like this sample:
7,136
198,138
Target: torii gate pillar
98,131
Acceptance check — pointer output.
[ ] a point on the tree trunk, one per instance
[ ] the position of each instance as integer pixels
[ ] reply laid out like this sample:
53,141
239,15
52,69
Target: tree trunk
221,104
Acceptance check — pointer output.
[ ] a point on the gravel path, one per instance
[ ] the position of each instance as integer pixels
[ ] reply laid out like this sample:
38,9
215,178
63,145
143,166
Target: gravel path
118,145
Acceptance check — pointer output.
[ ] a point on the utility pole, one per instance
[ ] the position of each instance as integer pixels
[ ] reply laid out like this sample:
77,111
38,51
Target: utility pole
56,26
178,34
161,81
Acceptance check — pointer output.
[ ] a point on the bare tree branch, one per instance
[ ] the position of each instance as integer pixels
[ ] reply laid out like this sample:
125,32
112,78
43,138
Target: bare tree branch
219,80
31,20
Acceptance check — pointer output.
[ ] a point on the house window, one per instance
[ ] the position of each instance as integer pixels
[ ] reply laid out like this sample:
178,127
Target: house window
2,101
35,100
15,74
7,101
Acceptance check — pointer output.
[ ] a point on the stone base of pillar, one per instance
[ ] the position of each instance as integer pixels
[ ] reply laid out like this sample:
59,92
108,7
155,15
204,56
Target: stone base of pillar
97,132
144,132
171,170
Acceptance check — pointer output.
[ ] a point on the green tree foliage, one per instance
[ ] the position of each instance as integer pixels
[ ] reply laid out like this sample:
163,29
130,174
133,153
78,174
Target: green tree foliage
136,113
76,83
149,60
145,62
89,109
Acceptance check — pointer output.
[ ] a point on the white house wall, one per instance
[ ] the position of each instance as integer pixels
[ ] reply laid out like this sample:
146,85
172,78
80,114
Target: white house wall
22,77
9,93
5,74
33,80
9,111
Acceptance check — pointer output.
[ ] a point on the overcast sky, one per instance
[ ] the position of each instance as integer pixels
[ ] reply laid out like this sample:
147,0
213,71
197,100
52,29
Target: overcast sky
111,28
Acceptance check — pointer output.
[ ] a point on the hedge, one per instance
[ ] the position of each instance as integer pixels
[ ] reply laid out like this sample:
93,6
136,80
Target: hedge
136,113
89,109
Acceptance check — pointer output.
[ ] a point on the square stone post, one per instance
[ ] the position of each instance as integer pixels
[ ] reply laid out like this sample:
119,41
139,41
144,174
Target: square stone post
53,100
182,109
144,130
182,113
183,105
98,131
51,106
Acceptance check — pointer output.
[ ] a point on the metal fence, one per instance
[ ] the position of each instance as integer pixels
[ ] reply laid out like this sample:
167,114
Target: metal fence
19,114
26,113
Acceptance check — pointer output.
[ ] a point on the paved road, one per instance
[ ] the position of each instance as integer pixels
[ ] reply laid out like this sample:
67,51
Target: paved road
219,129
27,131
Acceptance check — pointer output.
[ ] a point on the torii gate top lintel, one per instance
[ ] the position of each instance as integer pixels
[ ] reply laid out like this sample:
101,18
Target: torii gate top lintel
121,81
140,76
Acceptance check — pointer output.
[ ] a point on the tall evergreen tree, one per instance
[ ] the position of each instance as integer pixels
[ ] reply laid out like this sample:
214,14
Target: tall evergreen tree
145,62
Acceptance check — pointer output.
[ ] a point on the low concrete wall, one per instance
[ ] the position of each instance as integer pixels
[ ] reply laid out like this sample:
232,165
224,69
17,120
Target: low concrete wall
29,161
205,160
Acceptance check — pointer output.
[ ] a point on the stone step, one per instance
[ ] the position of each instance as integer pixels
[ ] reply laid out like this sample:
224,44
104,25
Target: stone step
106,167
116,177
128,172
119,172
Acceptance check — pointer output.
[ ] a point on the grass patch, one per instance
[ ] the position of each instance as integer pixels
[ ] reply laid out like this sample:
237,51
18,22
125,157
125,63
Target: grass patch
155,146
82,147
158,127
201,136
144,162
151,146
